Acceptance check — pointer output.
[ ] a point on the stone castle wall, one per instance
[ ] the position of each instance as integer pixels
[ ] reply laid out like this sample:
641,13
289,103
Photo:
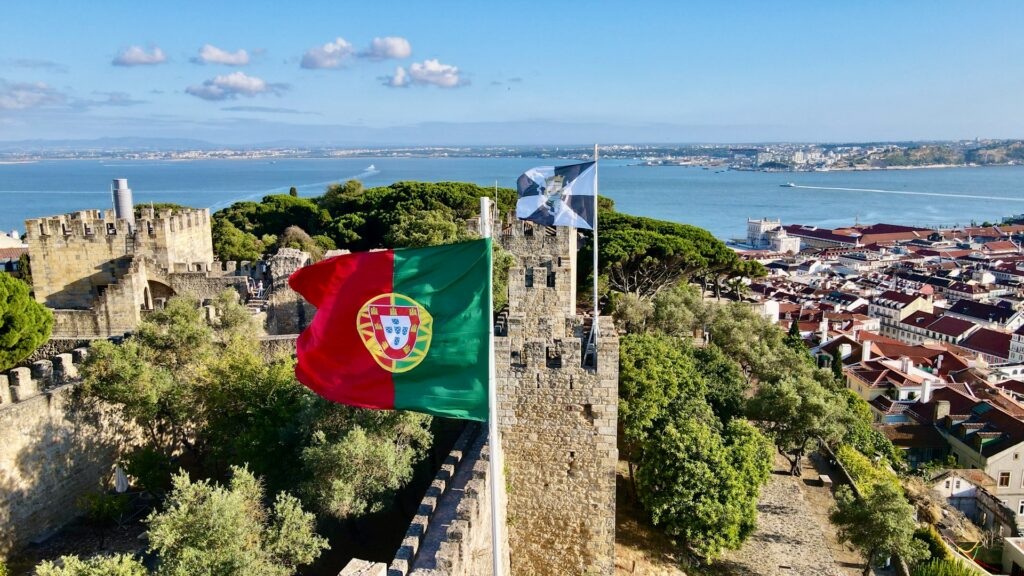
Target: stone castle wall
75,255
55,448
557,417
451,532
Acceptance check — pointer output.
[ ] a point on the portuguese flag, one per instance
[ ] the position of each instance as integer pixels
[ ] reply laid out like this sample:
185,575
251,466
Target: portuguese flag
402,329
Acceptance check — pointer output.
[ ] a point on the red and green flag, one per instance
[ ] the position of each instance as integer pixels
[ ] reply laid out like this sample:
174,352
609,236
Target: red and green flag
403,329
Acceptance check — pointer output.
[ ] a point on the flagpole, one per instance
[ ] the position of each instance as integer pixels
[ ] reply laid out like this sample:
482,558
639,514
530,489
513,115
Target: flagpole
492,396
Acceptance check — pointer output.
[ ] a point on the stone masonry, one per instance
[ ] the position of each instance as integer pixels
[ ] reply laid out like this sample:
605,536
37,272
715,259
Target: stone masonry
558,418
55,448
100,274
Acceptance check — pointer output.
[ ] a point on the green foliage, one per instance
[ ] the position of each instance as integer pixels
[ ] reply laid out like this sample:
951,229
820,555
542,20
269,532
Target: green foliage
701,487
864,472
210,529
725,385
151,470
358,459
24,323
418,228
837,366
880,525
945,567
233,318
295,237
644,256
794,411
116,565
862,435
102,508
936,549
230,243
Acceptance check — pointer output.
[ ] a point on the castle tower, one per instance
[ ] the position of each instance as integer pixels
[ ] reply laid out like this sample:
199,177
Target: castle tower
557,417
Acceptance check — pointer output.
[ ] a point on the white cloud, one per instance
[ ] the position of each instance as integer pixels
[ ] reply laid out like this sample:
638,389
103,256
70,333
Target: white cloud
210,54
426,73
398,80
137,56
388,47
230,86
330,55
25,95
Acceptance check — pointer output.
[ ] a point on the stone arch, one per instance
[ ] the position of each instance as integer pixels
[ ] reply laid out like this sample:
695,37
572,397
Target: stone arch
158,293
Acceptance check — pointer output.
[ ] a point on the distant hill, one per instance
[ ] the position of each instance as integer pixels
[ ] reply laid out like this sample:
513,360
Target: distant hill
108,144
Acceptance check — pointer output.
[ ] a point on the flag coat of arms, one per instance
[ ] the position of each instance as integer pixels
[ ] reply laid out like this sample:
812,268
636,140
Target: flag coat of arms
559,195
402,329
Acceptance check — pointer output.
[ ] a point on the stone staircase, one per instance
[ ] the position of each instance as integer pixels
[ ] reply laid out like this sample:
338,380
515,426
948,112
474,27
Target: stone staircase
256,305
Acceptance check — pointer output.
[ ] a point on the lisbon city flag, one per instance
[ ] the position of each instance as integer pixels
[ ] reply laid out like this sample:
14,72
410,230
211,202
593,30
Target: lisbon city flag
559,195
403,329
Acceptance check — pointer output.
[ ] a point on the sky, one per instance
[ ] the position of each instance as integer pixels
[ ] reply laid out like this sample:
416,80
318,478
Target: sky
513,72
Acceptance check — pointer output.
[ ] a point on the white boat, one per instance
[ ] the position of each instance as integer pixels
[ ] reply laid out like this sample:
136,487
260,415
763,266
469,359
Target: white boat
371,168
788,185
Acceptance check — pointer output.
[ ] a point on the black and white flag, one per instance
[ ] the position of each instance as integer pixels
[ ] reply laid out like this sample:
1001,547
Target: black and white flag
559,195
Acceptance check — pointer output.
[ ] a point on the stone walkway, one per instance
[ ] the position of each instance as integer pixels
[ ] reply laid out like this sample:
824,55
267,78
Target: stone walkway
790,540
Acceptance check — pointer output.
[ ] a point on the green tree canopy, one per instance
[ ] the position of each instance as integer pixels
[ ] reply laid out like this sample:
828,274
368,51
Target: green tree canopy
24,323
880,525
207,529
114,565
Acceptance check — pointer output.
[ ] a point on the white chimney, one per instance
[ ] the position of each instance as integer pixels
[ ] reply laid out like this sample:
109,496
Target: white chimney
926,391
938,363
865,351
905,364
845,350
122,196
823,331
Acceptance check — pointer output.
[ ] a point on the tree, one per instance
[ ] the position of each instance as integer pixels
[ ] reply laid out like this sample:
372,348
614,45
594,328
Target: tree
295,237
358,459
293,192
115,565
210,529
420,228
880,525
794,411
24,323
837,366
232,244
699,487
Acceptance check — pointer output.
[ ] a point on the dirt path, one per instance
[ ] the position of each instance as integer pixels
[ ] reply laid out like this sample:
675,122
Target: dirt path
790,540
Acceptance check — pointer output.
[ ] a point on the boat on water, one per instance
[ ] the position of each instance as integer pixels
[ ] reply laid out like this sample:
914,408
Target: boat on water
371,168
788,185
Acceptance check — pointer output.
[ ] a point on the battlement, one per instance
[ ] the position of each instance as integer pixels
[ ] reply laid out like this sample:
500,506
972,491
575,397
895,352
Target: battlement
92,224
21,384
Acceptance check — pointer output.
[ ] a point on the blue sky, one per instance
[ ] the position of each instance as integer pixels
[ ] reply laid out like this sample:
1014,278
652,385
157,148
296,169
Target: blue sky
512,72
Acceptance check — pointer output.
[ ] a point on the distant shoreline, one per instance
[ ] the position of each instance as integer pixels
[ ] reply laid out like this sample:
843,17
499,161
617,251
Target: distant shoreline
844,169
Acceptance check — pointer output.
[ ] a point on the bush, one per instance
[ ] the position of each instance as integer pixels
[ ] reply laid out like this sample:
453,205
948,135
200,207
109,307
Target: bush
864,472
116,565
931,537
936,567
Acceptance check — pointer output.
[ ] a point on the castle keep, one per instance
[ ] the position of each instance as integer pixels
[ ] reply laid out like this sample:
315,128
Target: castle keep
101,271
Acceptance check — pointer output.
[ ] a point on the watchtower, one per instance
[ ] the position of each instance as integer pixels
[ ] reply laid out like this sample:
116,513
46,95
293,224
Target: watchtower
557,416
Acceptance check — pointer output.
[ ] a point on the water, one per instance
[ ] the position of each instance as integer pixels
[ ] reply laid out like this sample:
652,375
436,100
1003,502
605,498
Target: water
720,202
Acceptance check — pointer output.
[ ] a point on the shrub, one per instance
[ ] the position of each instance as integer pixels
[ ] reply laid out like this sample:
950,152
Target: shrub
937,567
931,537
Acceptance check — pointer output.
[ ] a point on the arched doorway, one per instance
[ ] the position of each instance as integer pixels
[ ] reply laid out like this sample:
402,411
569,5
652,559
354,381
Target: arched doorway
158,293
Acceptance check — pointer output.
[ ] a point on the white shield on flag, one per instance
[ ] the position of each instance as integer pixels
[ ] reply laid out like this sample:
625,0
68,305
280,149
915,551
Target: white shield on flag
396,330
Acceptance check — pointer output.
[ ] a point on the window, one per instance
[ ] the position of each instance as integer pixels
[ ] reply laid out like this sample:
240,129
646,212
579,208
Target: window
1020,507
1004,478
957,484
947,484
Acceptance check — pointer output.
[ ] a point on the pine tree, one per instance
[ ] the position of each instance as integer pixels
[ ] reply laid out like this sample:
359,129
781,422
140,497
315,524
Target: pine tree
24,323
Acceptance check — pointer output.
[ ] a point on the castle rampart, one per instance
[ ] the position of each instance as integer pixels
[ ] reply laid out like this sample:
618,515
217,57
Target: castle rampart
55,448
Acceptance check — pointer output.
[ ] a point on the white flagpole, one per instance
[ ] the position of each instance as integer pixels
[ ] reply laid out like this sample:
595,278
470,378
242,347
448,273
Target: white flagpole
595,330
492,399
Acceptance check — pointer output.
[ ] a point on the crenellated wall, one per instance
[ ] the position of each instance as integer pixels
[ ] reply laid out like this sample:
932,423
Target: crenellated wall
55,448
